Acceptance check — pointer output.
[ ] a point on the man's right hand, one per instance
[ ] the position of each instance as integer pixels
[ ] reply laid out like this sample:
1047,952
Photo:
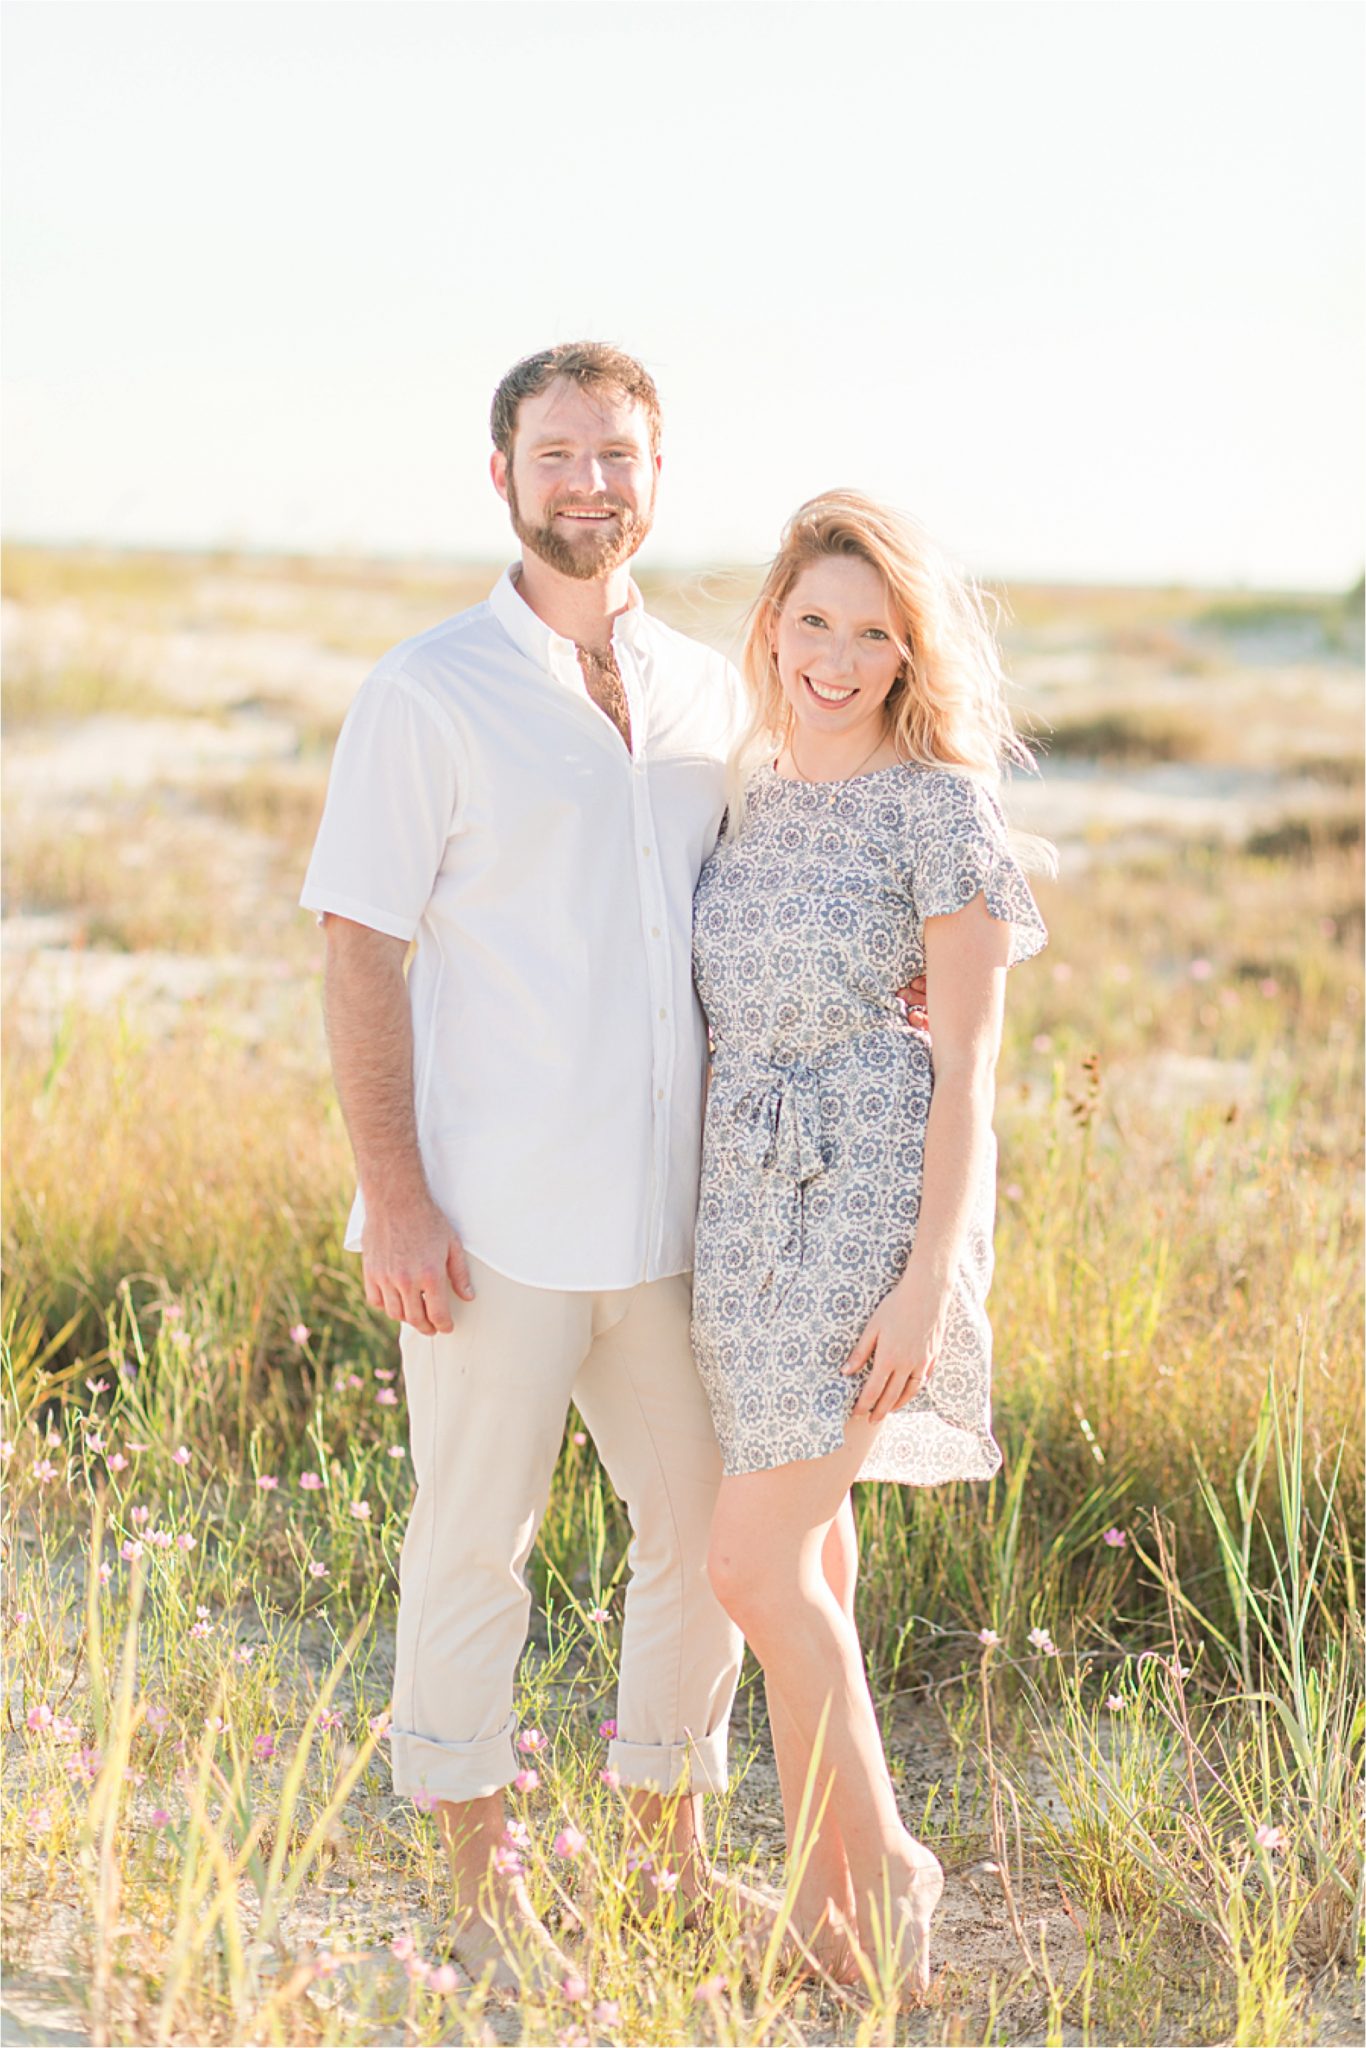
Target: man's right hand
413,1262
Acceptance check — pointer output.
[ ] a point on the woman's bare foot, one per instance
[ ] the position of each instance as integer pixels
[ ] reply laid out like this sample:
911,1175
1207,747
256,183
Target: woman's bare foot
914,1911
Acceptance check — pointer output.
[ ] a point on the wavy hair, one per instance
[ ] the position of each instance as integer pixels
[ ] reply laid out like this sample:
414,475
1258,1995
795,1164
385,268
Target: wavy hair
948,707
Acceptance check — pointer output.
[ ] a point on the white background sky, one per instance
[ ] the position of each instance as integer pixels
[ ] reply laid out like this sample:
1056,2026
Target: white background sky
1080,284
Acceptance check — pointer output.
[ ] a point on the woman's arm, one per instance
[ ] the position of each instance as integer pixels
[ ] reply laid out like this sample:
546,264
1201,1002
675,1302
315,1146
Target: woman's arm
965,968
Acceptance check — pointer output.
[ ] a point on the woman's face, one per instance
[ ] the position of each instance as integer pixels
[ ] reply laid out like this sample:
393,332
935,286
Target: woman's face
836,642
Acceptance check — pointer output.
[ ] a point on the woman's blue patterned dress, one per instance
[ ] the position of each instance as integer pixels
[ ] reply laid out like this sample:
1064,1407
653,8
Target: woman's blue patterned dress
804,926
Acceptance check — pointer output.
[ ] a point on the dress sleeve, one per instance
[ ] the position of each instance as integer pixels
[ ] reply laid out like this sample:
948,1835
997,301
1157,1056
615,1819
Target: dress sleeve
960,847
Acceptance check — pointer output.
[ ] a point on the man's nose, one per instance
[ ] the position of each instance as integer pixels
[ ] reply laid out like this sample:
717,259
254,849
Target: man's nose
587,477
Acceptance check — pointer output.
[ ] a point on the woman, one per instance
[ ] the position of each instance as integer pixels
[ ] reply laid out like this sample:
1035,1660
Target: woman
844,1230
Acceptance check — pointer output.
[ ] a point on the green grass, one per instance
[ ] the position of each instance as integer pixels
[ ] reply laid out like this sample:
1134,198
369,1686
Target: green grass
1177,1335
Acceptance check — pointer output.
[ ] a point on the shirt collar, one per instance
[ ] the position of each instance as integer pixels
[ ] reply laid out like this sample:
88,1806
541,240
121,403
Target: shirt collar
548,649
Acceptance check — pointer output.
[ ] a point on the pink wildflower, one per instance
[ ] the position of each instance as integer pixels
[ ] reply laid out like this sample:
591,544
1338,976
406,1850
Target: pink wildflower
328,1720
298,1333
129,1445
263,1747
38,1717
401,1947
1200,970
579,1439
385,1372
1114,1703
180,1455
607,1730
93,1440
160,1539
395,1451
130,1551
1116,1538
244,1652
45,1471
185,1541
318,1570
599,1614
569,1842
611,1779
360,1510
530,1740
575,1990
708,1989
607,2013
141,1515
387,1398
38,1819
517,1835
1041,1640
1268,1837
667,1880
988,1638
98,1386
310,1482
507,1862
156,1716
268,1482
443,1980
379,1724
105,1574
526,1781
159,1817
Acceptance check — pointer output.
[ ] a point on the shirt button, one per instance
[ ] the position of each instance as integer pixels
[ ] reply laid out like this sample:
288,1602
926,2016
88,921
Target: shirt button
646,851
659,1095
654,931
662,1015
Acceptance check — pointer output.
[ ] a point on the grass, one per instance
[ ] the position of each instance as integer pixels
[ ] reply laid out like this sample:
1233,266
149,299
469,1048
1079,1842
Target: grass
1146,1790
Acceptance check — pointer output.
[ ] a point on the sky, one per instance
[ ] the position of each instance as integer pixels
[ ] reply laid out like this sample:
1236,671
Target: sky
1079,282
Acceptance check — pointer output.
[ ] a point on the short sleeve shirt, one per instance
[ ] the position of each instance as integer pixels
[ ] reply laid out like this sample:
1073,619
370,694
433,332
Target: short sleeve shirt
481,805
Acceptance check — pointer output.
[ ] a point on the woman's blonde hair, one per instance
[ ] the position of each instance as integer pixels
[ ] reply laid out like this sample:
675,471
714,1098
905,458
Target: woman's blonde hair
948,706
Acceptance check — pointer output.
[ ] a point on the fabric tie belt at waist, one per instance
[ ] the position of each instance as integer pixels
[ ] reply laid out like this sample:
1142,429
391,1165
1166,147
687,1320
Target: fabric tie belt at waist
776,1127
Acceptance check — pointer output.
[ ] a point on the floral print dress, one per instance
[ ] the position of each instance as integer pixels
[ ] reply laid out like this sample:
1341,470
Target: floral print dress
804,926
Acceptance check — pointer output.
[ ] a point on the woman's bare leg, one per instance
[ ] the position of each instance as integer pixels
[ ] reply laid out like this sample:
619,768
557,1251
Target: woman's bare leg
824,1913
768,1568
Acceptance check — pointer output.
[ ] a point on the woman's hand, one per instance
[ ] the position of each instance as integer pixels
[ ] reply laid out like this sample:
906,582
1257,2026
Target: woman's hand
902,1338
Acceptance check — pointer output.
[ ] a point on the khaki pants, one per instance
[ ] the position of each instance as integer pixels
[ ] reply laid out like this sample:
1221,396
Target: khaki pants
487,1407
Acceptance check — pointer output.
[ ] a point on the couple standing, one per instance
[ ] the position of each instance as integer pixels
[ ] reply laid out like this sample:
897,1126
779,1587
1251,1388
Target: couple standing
531,793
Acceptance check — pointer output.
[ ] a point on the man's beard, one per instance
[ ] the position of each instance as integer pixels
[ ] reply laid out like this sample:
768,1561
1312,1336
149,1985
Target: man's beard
596,551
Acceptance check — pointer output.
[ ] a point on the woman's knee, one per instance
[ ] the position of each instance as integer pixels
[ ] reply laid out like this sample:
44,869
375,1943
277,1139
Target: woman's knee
746,1587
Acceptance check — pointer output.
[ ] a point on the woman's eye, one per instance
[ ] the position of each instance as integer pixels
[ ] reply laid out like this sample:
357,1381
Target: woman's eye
811,619
876,633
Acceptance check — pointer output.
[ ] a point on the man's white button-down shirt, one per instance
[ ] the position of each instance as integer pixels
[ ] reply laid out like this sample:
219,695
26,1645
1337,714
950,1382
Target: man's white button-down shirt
481,804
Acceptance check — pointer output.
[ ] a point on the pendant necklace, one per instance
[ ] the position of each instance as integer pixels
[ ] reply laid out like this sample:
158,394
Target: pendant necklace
840,780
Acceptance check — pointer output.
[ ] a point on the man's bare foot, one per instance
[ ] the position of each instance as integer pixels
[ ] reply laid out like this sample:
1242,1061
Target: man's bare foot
501,1943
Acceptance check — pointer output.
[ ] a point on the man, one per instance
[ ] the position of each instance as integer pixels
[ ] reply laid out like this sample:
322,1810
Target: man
527,792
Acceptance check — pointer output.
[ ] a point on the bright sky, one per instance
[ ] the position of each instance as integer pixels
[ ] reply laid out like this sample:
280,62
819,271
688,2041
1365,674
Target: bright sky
1080,284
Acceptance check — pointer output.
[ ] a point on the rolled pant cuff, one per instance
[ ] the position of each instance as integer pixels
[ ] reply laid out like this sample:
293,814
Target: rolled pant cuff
700,1762
426,1768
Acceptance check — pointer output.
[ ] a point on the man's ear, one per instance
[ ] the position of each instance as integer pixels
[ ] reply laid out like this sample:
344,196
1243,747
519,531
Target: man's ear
498,470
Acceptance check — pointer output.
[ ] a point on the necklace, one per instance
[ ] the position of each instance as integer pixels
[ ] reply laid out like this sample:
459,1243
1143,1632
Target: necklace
839,781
